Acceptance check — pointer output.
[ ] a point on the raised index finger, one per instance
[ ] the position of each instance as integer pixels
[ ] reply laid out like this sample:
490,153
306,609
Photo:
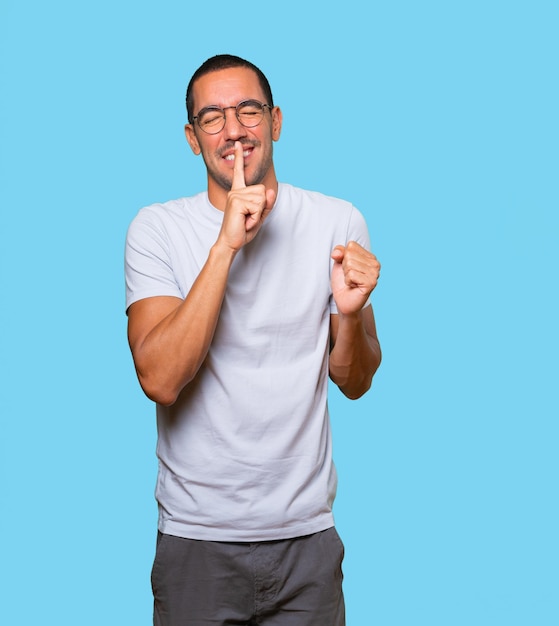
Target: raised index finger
238,167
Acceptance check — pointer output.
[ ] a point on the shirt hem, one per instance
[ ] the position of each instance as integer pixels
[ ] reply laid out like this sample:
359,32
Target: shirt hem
244,535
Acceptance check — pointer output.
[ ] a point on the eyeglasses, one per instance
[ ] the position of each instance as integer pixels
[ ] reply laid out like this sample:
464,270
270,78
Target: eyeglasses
249,113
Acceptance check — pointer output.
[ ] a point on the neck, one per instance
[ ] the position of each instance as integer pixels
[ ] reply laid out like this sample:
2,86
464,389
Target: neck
217,195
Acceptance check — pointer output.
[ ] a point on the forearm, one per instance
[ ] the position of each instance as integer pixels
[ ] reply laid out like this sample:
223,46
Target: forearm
355,355
170,355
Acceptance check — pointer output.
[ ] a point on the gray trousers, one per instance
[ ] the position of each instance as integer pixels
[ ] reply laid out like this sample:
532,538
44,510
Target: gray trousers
291,582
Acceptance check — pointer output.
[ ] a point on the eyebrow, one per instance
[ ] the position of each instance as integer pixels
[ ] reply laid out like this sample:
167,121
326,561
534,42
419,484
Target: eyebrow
233,106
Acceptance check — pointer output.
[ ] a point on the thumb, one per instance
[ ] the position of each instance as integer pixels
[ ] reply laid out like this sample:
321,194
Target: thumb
338,254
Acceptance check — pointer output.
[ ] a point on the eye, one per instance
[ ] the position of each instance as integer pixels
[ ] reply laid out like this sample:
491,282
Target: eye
250,112
250,108
210,118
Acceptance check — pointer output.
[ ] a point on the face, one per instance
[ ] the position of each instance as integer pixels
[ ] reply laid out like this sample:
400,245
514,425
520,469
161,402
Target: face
226,88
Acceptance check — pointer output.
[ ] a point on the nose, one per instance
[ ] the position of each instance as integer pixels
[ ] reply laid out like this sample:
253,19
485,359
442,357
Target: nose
233,129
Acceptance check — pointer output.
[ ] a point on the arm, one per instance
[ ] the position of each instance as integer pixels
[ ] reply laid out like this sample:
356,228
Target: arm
169,337
356,354
355,351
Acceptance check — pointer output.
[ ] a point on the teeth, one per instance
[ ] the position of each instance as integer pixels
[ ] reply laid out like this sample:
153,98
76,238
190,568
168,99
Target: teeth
231,157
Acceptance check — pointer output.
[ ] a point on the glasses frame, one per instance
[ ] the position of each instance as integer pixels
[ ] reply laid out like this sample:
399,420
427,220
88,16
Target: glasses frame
262,105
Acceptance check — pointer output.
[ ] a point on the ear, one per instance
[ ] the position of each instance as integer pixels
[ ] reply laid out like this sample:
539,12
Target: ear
277,119
192,139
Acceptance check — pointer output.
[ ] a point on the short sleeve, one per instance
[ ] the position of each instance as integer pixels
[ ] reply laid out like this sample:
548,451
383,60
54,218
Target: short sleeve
357,230
147,262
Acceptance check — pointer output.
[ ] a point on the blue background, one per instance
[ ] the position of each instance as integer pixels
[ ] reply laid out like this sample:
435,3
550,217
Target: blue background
439,120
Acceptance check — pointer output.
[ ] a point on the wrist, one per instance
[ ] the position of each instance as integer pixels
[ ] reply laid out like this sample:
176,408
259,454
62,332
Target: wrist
350,317
222,253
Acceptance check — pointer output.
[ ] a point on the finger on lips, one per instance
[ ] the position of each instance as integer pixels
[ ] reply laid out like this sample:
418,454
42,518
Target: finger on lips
238,167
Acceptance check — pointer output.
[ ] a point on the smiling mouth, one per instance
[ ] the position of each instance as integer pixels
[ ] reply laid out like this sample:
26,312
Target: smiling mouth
231,157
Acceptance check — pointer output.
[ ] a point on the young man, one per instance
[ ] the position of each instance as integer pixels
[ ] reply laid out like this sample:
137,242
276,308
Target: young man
241,301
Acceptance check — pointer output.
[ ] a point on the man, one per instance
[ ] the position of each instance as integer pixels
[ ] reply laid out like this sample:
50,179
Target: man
241,300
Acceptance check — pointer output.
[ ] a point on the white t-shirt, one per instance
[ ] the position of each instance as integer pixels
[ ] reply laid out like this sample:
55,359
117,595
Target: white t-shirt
245,453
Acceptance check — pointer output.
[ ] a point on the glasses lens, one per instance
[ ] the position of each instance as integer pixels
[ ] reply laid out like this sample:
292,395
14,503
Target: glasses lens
211,120
250,113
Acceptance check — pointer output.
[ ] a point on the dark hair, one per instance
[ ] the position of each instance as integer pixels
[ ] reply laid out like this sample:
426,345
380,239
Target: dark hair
225,62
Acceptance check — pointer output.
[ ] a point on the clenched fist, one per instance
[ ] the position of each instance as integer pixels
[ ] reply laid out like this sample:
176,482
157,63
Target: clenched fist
354,275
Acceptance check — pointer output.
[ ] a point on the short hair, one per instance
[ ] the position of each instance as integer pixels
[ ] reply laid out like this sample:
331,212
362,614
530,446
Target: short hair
225,62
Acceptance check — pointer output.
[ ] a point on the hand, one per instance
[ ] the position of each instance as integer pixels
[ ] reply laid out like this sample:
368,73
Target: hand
354,275
246,208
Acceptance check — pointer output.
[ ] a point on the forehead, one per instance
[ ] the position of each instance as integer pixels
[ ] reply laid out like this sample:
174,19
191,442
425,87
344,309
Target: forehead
226,88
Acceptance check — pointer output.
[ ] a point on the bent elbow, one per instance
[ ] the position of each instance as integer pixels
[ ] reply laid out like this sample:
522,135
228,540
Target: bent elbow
158,392
164,399
357,388
354,392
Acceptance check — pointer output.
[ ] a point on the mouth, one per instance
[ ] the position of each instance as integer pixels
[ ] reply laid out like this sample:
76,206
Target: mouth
246,153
